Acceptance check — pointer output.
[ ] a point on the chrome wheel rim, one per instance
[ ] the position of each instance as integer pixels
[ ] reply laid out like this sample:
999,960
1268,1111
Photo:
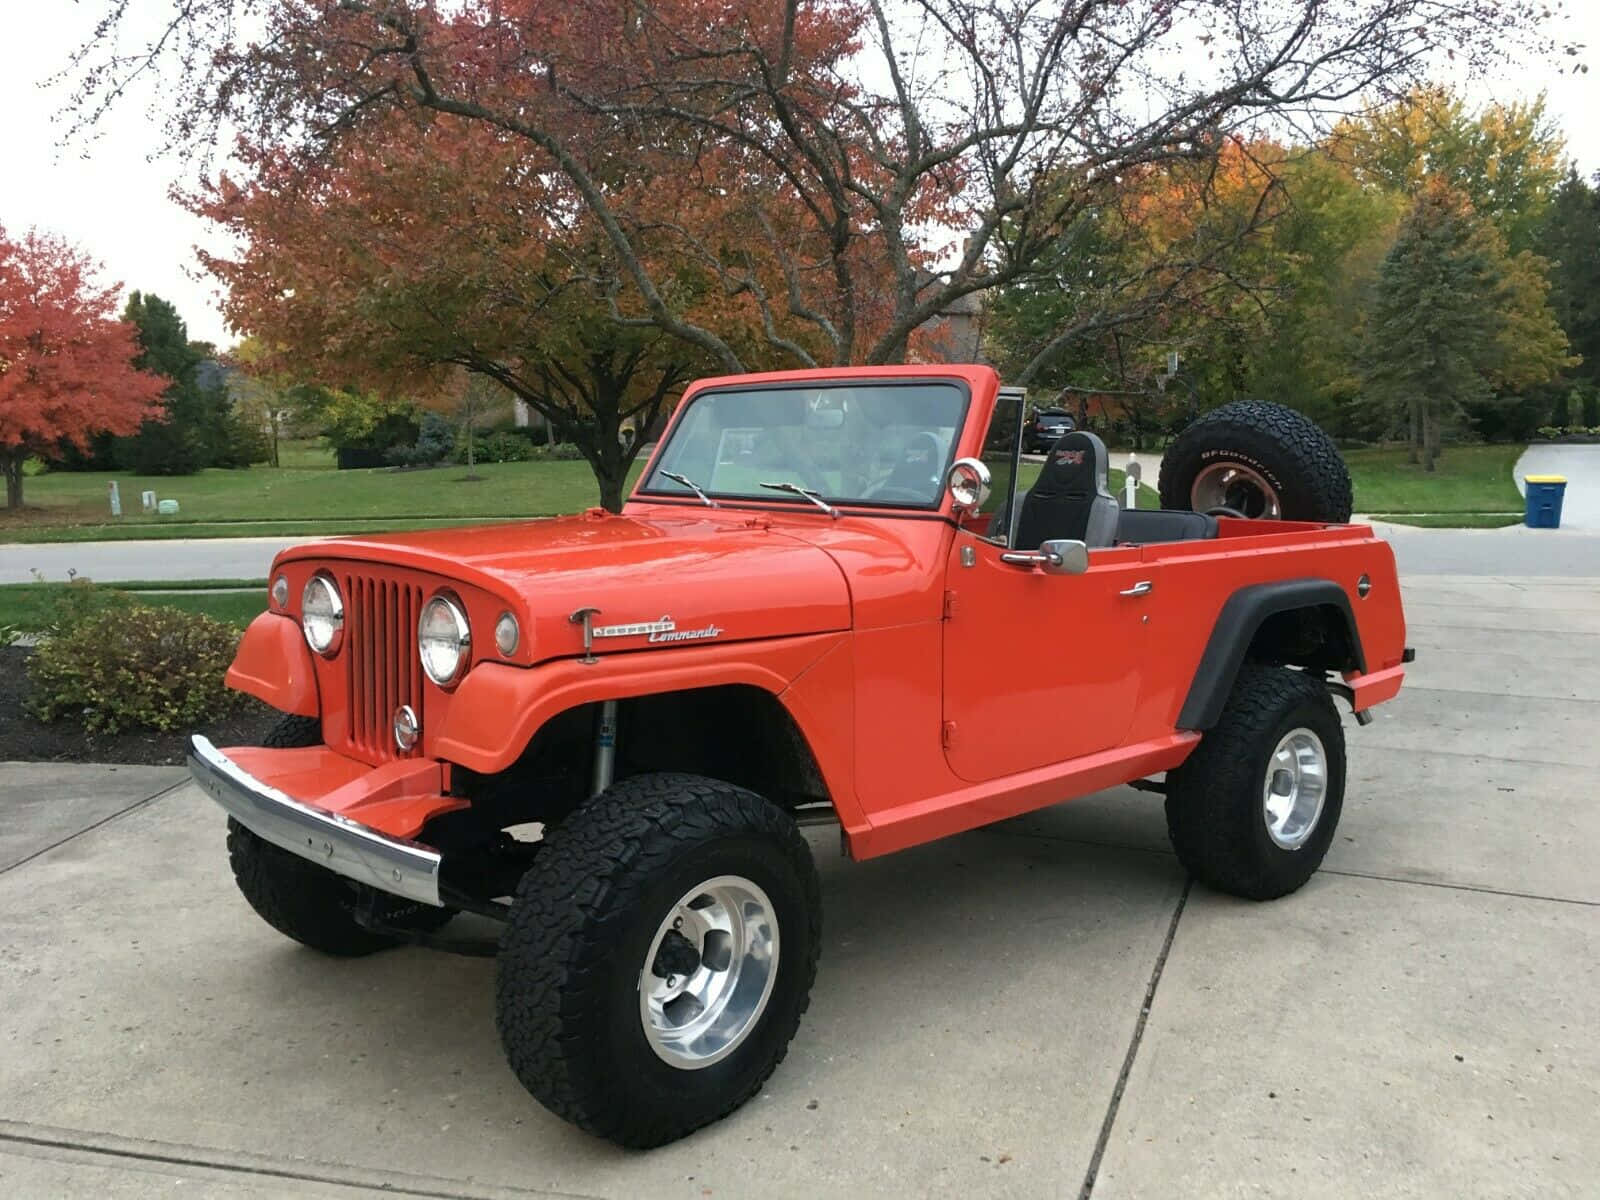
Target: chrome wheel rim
1295,788
1234,485
709,972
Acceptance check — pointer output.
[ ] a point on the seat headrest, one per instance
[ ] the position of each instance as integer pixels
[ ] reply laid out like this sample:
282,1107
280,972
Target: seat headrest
1075,466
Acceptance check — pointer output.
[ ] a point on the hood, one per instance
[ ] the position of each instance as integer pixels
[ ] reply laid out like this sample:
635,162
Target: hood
655,581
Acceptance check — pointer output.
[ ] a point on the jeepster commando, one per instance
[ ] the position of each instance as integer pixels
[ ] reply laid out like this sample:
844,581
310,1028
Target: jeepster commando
606,731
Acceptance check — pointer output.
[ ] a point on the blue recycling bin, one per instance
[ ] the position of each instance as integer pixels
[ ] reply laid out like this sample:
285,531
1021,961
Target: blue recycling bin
1544,501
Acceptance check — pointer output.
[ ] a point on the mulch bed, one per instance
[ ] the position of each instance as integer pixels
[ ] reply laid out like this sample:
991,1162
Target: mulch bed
23,739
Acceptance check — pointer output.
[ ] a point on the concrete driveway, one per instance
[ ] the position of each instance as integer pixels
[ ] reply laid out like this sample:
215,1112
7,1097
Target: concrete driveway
1041,1008
1580,506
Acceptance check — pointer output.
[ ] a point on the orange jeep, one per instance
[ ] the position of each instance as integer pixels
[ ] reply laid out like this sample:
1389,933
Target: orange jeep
606,732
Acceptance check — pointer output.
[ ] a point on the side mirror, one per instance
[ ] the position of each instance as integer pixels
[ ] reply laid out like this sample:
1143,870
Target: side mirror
1064,557
969,483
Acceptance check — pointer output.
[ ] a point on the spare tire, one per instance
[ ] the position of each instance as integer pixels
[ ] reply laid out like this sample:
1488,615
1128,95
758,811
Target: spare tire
1260,460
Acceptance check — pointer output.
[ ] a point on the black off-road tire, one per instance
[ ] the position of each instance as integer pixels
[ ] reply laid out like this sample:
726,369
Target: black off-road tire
1215,814
290,731
572,957
1283,447
309,903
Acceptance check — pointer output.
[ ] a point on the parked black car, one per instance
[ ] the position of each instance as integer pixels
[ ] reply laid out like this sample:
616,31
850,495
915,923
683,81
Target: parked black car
1044,427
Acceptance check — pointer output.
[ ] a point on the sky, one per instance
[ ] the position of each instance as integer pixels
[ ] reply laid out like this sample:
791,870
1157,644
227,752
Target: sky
111,199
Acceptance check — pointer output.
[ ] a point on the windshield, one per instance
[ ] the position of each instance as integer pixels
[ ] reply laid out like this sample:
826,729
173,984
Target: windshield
878,443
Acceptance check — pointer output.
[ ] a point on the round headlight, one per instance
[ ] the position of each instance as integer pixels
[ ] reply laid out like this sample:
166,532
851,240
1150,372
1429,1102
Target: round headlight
443,640
322,615
280,592
506,634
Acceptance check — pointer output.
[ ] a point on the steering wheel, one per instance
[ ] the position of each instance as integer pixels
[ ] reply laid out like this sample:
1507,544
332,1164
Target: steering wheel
1222,510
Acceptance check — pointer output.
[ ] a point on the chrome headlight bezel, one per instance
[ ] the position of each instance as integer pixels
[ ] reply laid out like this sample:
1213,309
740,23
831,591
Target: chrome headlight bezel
322,614
456,634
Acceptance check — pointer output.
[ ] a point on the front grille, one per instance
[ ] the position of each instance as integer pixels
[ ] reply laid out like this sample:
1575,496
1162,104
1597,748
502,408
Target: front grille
382,670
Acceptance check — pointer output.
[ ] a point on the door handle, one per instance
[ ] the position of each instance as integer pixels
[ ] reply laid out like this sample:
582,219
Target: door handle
1138,589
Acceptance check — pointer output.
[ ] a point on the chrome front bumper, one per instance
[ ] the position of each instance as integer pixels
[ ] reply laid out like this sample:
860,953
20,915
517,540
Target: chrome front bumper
343,846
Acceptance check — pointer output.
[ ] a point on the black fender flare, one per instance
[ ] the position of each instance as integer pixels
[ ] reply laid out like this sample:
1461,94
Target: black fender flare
1236,626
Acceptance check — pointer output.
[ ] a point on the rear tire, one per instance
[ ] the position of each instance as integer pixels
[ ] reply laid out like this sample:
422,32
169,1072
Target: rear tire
1247,812
592,966
309,903
1261,459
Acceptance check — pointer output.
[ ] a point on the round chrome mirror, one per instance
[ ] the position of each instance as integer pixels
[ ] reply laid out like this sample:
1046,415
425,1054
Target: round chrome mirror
969,484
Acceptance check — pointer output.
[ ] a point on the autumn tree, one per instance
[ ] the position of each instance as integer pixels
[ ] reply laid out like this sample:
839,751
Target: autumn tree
1505,158
1293,327
436,261
872,164
66,362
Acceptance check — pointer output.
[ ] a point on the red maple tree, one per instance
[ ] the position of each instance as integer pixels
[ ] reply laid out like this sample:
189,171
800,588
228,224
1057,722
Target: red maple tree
66,362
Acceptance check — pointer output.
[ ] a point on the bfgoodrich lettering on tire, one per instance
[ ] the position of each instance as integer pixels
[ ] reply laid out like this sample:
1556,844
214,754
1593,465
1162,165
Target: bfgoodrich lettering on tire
659,956
1259,459
1253,810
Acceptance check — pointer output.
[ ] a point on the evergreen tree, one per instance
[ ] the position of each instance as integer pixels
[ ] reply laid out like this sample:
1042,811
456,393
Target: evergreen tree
1570,240
1437,323
194,430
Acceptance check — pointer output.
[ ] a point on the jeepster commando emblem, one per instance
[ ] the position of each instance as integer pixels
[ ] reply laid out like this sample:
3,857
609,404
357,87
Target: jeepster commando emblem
663,630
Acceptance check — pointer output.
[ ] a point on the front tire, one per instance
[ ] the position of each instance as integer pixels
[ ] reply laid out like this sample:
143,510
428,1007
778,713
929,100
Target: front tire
1254,809
659,957
308,903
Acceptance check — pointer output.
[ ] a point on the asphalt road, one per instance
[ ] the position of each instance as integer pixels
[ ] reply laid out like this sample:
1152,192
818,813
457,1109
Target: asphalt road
1513,551
113,562
1039,1008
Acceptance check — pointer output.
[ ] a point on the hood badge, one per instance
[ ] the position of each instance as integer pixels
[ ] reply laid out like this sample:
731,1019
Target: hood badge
664,630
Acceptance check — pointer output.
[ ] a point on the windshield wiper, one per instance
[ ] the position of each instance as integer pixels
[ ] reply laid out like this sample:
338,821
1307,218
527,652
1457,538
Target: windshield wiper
692,486
813,496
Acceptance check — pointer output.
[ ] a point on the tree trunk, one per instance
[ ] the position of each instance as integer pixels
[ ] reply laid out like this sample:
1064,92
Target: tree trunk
1430,437
13,460
1414,434
610,492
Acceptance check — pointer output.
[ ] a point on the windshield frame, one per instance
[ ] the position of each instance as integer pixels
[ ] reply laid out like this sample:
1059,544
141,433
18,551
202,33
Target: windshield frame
778,500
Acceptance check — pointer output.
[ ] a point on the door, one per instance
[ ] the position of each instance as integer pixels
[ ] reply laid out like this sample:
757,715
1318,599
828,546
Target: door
1039,668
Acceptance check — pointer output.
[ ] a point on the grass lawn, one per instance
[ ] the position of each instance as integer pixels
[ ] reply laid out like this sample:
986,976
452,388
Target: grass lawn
32,606
1468,520
308,496
1468,479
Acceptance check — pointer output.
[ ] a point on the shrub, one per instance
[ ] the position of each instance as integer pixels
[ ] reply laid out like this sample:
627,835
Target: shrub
560,452
1548,431
499,447
71,604
1576,429
435,440
156,668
